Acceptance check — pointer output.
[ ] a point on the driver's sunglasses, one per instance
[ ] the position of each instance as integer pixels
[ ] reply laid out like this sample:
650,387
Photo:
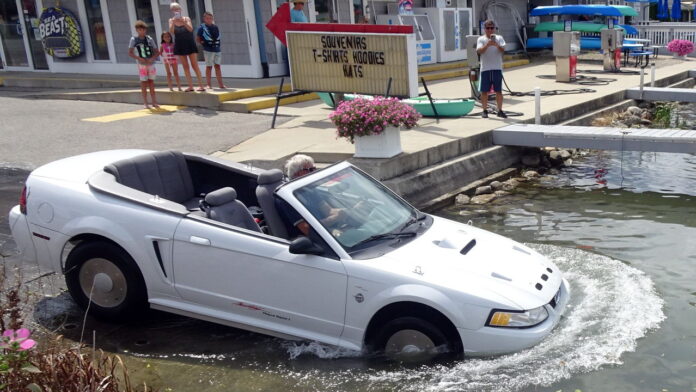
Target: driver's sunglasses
309,169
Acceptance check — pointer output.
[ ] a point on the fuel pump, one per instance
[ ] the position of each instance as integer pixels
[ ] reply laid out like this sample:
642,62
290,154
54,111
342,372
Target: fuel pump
612,42
566,47
472,58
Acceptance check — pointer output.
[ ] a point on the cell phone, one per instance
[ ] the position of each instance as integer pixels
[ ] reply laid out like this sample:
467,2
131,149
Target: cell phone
177,15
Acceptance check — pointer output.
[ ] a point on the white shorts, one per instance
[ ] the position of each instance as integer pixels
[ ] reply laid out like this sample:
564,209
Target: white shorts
212,58
147,72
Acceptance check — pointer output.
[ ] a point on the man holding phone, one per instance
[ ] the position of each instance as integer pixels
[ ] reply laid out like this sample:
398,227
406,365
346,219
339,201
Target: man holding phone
491,48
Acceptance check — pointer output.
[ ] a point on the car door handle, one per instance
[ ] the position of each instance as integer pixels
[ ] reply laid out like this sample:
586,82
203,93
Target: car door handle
199,240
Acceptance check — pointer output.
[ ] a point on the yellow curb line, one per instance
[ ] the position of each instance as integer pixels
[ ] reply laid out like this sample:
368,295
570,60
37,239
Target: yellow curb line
135,114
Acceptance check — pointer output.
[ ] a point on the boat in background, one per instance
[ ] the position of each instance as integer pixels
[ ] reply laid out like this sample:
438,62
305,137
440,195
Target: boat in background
444,107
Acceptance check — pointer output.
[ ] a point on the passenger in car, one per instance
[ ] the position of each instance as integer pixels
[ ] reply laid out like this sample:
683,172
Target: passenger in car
300,165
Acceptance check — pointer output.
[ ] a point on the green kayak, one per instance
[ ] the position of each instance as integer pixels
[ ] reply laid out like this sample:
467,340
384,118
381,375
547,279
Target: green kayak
445,107
583,27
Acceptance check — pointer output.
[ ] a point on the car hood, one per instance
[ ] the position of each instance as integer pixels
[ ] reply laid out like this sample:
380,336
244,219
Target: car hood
494,268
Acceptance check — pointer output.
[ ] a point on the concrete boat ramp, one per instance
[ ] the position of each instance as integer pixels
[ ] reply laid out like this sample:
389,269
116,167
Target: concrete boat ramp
597,138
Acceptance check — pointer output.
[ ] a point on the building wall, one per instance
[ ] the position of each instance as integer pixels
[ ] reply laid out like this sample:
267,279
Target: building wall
230,19
72,6
120,29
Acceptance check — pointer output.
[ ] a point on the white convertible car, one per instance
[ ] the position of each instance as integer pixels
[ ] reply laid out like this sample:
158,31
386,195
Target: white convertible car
213,239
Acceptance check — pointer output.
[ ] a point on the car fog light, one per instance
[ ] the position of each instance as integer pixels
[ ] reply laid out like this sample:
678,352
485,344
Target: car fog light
517,319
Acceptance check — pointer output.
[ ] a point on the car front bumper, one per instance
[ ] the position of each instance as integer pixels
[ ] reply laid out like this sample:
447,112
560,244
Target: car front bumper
19,226
495,341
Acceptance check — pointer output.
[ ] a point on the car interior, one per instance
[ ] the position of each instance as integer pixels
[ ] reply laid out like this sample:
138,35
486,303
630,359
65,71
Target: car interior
214,189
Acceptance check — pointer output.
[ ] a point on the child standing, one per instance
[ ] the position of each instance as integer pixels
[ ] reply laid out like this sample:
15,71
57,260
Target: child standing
169,60
144,50
208,36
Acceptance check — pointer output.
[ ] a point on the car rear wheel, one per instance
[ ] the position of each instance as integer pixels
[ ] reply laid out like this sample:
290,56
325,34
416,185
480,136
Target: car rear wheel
411,339
104,279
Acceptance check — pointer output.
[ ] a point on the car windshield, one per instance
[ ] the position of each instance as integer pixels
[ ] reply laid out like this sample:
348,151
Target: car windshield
357,210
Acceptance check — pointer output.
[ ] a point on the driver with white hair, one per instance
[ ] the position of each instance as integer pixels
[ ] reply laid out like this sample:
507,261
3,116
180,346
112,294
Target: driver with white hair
298,166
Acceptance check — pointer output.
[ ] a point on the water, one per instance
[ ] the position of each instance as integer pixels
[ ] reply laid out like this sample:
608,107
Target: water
620,226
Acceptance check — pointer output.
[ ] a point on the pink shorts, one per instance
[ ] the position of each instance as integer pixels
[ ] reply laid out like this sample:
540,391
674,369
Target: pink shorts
170,60
147,72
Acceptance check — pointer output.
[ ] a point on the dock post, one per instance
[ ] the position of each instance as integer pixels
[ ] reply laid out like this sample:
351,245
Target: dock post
537,105
652,75
642,79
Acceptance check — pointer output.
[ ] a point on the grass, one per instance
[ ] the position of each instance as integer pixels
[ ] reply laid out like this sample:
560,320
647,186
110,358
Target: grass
52,365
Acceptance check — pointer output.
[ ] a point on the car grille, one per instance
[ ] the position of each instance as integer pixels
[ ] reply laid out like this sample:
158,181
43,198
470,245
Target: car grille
555,299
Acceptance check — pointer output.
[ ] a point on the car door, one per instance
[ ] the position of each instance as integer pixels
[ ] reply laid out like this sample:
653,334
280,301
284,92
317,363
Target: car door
253,279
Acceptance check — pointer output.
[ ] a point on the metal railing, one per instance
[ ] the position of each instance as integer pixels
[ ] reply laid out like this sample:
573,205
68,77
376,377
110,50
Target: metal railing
662,33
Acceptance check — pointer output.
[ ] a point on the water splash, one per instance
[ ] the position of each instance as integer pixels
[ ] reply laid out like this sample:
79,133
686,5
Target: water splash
597,329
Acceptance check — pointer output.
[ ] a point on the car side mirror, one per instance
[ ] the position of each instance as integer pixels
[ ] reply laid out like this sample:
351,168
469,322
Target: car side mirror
304,246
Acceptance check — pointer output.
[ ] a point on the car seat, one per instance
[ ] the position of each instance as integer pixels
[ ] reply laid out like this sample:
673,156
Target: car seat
222,206
268,181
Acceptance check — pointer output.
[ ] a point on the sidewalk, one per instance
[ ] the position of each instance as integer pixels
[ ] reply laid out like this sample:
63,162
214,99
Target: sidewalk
313,134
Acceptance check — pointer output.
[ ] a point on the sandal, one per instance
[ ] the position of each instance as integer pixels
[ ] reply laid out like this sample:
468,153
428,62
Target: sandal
201,89
188,90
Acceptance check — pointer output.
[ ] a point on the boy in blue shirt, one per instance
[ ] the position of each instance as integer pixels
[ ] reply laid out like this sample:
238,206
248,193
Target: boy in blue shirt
208,36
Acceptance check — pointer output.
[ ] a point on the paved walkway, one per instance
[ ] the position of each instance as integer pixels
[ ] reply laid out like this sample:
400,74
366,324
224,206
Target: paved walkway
311,132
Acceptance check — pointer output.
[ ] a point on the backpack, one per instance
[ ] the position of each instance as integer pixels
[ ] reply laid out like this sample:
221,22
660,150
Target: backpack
142,47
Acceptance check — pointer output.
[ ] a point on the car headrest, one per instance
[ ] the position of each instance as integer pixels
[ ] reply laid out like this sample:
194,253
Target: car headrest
221,196
270,177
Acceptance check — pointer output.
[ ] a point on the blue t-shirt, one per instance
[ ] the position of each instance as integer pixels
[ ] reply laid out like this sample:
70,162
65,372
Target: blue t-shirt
210,35
297,16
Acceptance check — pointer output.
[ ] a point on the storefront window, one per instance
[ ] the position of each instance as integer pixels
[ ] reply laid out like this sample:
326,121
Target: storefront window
325,11
359,11
96,29
143,11
11,35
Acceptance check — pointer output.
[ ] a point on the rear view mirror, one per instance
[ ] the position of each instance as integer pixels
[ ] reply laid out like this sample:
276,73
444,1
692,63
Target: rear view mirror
304,246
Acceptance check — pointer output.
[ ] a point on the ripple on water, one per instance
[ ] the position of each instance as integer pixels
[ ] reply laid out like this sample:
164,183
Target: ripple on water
598,327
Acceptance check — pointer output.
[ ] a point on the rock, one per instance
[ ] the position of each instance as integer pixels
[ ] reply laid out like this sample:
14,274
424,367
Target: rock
545,163
510,184
461,199
521,179
645,122
496,185
632,120
555,157
531,160
501,193
530,174
568,162
483,190
634,110
565,154
483,199
554,172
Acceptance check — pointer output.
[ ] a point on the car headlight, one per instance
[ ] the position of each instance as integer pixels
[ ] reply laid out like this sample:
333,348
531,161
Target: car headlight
517,318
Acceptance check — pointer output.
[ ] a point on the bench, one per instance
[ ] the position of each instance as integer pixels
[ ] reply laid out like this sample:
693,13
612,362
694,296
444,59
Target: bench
640,56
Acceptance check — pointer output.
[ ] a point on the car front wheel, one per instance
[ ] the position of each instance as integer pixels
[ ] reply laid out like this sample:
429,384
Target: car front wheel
411,339
103,279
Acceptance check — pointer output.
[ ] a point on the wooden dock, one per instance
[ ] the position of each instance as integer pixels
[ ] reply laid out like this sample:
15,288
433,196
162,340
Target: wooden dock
597,138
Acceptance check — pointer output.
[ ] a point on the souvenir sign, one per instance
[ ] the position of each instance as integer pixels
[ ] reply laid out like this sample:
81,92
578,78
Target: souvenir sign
346,62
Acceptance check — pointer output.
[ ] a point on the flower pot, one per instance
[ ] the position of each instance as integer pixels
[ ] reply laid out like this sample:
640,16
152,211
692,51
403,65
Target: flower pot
385,145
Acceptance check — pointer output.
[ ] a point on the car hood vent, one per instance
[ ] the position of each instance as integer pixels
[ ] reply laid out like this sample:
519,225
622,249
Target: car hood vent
460,240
